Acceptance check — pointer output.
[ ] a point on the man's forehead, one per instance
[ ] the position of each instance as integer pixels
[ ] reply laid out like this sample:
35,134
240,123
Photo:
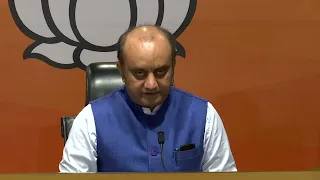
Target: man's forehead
147,66
157,49
147,61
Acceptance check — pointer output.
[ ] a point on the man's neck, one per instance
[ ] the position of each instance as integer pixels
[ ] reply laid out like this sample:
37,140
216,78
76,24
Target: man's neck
151,111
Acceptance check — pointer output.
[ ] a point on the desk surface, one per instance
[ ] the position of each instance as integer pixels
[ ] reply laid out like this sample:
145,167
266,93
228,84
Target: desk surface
176,176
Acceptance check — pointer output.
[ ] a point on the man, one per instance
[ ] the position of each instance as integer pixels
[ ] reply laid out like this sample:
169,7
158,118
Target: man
147,125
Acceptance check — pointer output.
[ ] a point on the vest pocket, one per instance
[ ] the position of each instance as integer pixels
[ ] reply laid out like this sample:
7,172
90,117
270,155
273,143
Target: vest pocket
189,160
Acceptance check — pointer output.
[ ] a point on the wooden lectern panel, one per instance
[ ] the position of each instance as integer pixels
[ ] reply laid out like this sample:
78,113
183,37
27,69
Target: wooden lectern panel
167,176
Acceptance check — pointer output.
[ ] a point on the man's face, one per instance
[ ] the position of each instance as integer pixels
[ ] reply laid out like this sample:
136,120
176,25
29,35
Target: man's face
147,71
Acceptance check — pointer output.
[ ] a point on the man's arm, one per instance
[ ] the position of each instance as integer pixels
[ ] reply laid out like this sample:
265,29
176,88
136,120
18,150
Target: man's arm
79,154
217,153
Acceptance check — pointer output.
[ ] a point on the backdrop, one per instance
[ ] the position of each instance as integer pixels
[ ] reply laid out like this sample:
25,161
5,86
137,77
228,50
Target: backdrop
256,61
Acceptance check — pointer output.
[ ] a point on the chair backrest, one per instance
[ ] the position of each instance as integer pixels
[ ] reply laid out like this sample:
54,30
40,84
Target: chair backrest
101,78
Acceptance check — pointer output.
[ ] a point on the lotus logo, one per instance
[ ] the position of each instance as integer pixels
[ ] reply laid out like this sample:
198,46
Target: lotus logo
70,33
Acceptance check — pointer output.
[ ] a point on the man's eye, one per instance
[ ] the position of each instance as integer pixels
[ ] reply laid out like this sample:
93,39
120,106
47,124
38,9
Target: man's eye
139,73
160,71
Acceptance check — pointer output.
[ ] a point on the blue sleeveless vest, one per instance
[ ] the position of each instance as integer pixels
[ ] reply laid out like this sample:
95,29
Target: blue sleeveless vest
127,139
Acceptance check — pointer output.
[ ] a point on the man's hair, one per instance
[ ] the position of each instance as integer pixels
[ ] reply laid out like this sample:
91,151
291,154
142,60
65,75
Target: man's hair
123,38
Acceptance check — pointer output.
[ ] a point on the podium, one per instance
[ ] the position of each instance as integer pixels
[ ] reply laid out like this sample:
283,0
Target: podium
314,175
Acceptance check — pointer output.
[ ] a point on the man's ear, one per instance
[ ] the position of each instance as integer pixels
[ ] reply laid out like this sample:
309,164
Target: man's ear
119,67
172,78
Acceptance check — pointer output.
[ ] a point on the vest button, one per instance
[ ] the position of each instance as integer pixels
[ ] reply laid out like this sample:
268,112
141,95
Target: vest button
154,152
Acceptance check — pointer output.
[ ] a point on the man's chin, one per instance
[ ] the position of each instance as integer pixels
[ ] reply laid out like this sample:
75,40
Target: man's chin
151,102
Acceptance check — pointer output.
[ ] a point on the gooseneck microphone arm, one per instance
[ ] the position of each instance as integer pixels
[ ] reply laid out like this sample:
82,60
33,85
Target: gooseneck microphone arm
161,142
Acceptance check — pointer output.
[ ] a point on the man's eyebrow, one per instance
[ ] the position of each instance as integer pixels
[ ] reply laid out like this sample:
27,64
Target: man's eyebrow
137,69
162,66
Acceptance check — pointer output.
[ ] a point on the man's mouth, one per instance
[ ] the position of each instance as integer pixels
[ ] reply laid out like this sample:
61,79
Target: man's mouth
151,94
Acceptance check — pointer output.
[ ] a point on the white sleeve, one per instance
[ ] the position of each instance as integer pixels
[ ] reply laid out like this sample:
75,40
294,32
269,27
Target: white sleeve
217,153
79,153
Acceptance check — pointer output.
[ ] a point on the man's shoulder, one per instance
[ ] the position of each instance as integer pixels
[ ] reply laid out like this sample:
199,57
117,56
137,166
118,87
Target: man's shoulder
186,94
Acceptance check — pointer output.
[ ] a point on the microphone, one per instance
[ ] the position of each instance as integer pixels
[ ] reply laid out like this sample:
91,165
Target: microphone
161,138
161,142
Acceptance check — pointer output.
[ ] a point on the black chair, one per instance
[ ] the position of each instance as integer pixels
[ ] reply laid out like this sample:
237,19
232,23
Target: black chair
101,79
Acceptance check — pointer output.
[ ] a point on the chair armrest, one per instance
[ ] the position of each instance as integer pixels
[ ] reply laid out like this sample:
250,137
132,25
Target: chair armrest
66,124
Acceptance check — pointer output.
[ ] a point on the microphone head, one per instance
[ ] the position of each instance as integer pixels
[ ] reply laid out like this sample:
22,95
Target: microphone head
161,137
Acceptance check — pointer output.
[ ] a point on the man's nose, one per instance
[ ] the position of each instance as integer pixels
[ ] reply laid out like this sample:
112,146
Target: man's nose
151,82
